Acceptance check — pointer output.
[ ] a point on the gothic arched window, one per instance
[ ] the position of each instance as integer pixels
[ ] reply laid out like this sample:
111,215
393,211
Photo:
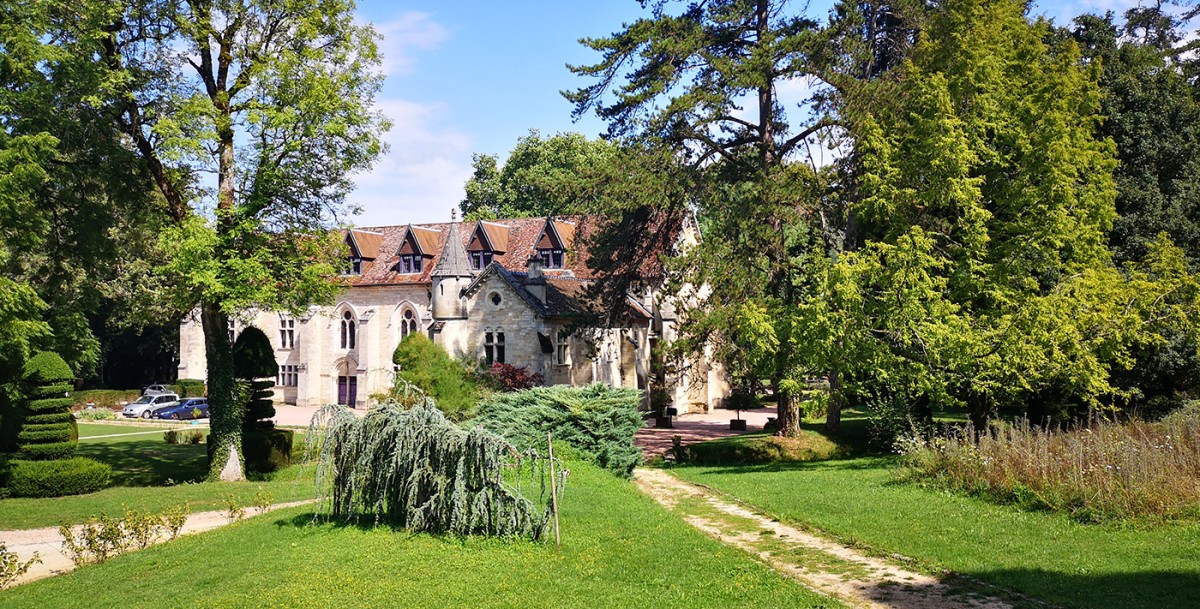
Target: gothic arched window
408,324
349,331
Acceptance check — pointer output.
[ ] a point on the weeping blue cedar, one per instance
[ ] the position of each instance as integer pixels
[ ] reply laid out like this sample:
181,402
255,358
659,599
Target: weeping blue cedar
411,467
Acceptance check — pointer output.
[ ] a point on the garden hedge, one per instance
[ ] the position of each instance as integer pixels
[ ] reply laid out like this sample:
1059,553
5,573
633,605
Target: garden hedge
57,478
598,420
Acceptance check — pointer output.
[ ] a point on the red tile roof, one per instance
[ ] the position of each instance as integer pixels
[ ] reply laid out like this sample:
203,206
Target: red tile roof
519,237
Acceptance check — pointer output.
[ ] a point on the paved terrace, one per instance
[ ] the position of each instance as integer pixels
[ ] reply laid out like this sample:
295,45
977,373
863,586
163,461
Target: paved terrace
698,427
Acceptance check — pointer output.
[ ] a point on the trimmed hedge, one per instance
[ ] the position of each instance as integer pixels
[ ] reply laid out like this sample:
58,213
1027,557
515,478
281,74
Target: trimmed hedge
190,388
46,451
57,478
105,398
599,421
46,432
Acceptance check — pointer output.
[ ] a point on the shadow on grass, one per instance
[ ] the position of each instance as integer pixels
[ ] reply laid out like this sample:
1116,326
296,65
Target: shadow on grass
148,462
306,519
856,464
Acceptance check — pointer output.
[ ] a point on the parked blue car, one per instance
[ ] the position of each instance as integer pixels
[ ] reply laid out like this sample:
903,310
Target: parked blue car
185,408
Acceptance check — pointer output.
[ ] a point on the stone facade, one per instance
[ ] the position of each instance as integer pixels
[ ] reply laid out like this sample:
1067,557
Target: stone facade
487,303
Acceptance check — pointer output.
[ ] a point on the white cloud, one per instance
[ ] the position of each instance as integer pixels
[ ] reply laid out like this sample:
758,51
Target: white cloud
421,178
411,31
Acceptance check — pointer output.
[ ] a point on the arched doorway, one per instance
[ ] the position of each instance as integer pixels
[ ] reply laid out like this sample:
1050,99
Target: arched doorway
347,382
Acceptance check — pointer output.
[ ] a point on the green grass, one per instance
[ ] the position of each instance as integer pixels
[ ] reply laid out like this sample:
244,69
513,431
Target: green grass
149,475
1036,553
620,549
89,430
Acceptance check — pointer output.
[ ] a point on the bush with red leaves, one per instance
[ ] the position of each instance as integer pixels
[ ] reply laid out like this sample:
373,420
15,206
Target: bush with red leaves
507,377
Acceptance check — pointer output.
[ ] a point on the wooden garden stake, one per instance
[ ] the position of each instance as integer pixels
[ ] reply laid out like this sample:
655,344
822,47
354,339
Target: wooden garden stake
553,490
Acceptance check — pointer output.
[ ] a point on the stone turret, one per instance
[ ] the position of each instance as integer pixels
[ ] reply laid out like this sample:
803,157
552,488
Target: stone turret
451,275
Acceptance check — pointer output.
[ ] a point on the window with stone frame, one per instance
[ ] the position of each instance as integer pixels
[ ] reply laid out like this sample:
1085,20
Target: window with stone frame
289,375
480,259
408,323
232,325
493,347
349,333
287,332
410,264
562,348
552,258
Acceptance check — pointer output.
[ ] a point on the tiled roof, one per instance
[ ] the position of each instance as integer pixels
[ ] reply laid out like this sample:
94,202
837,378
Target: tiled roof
367,243
521,239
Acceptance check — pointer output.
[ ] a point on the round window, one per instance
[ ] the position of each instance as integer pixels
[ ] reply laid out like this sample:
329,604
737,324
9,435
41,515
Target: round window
495,298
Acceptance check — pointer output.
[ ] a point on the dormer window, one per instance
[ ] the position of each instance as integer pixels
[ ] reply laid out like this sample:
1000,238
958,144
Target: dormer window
488,240
353,266
410,263
480,259
553,243
552,258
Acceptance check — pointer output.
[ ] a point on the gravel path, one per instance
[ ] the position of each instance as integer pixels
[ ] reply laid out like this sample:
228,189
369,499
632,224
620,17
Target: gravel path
822,565
47,542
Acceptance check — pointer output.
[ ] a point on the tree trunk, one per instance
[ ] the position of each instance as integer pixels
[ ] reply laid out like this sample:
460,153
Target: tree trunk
833,419
787,414
224,409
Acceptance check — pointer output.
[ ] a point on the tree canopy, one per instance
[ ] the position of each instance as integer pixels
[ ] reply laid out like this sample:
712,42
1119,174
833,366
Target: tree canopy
541,177
246,118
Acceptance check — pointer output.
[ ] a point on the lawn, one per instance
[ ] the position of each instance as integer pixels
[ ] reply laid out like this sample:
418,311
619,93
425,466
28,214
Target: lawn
148,474
91,430
620,549
1037,553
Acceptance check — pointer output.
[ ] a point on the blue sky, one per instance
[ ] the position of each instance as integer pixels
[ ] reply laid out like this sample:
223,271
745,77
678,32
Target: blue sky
469,76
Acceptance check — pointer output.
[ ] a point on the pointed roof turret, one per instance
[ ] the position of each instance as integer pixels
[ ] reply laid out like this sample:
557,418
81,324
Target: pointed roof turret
453,262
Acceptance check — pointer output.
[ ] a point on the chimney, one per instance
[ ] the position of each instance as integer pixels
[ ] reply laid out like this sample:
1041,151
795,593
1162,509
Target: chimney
535,282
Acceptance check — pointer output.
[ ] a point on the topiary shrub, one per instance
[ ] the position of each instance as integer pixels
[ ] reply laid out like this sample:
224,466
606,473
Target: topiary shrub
57,478
254,365
598,420
264,448
48,431
427,366
191,388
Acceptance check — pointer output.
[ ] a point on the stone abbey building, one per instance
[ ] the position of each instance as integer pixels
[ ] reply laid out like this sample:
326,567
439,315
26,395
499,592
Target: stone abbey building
498,291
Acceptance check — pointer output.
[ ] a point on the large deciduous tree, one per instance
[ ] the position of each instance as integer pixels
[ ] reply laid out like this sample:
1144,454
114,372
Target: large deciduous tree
248,117
541,177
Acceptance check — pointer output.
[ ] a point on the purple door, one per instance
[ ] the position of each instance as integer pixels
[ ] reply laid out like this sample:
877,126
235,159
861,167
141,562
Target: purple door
347,390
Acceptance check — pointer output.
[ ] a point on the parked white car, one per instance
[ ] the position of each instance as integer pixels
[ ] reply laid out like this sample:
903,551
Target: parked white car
143,406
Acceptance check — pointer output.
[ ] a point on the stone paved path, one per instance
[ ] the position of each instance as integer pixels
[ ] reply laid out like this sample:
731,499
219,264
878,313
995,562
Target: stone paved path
822,565
698,427
47,542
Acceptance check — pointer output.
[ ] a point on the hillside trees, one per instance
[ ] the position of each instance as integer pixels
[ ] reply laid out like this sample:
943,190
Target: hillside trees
273,100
